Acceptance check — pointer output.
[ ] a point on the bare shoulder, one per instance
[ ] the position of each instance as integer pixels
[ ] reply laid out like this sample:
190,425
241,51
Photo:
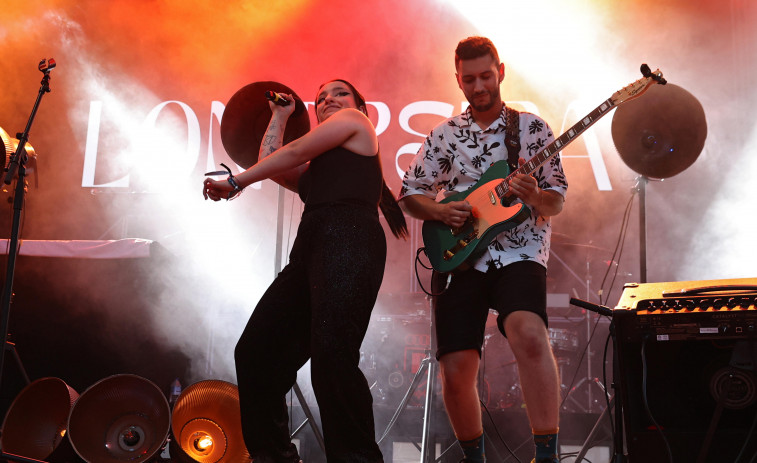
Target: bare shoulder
362,139
351,116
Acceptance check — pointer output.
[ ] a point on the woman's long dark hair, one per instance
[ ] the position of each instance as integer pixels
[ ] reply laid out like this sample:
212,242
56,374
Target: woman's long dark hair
392,213
388,204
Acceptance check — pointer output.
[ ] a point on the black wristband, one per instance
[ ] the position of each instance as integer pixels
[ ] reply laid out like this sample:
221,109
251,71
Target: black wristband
237,190
233,182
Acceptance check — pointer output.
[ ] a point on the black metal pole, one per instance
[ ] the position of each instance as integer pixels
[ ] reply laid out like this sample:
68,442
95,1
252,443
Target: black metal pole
428,444
17,163
642,229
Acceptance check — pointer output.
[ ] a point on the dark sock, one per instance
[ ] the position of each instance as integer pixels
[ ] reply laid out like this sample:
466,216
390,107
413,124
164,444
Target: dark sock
474,449
546,446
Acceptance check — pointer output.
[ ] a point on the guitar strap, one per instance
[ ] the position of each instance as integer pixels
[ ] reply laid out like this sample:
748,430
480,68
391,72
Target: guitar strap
512,137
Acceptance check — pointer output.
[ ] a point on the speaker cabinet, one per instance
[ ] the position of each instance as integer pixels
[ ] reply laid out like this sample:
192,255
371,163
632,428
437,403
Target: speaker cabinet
702,393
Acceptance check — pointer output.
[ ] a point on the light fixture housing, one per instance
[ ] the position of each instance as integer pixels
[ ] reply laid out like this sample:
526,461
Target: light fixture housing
120,418
208,412
35,424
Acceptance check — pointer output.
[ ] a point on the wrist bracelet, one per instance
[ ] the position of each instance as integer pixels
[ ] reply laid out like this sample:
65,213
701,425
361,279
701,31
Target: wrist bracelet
233,182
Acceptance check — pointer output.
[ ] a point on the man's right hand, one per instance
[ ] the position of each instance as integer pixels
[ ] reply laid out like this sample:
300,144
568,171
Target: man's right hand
454,213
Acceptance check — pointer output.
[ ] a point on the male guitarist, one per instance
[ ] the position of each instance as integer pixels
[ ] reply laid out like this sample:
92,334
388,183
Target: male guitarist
509,273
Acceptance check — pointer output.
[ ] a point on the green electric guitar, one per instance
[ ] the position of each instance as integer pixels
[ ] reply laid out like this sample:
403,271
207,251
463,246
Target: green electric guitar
495,208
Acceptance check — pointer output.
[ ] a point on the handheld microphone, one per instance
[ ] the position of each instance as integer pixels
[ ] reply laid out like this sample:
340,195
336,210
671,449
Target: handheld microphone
276,98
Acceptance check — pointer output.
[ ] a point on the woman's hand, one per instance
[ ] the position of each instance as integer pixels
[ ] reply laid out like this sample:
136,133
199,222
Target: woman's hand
217,189
282,111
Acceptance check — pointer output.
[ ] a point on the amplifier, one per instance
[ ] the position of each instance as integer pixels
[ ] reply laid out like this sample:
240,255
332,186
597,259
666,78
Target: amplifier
687,357
688,310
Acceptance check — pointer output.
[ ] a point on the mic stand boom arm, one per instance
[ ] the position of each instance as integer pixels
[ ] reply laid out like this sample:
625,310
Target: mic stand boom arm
19,157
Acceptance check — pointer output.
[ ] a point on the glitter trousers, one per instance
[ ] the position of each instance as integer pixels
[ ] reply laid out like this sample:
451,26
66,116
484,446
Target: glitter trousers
317,308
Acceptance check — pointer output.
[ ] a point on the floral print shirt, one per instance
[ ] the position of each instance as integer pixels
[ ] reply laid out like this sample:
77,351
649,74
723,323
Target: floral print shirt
455,155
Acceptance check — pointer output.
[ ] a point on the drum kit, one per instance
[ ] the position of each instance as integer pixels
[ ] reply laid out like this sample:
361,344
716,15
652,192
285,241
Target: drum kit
395,346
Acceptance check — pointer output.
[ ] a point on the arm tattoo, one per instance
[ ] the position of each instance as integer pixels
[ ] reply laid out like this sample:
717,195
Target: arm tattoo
269,140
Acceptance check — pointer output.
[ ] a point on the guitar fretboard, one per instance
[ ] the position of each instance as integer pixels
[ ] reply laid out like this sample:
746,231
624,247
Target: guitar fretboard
558,144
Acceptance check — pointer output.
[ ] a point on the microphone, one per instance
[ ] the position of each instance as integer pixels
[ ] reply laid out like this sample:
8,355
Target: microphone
276,98
600,309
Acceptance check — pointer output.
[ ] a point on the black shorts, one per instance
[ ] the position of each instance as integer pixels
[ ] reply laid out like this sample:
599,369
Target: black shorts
461,311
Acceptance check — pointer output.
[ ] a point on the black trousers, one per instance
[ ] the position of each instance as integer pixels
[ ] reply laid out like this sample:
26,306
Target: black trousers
317,308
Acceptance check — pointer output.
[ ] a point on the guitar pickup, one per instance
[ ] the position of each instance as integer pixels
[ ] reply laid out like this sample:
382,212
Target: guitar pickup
492,198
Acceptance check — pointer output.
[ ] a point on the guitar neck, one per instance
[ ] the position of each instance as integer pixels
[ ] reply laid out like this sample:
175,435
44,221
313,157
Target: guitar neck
558,144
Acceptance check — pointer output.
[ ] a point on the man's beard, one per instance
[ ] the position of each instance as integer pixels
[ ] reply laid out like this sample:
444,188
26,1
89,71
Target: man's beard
494,98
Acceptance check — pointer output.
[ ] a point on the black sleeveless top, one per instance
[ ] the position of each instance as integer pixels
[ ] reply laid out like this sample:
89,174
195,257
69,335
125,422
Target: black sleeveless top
342,176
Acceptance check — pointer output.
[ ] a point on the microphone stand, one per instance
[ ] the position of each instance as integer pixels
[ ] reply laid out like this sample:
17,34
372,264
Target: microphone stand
17,163
618,443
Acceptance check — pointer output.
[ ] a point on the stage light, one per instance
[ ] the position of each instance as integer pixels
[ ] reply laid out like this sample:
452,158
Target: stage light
206,423
203,443
35,424
10,145
120,418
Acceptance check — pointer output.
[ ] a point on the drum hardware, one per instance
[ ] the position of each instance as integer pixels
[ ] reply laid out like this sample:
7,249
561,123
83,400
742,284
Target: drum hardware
589,381
427,367
499,384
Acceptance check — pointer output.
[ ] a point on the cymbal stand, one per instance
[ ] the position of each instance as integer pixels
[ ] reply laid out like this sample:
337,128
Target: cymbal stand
641,189
589,378
17,162
428,366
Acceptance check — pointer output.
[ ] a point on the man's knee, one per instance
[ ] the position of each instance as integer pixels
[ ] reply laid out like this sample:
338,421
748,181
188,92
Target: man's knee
459,370
527,335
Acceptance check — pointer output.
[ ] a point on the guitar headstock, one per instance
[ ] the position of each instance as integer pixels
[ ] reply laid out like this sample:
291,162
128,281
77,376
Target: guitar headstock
637,88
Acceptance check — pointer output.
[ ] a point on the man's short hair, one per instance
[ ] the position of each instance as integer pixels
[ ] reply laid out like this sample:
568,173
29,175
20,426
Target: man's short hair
475,47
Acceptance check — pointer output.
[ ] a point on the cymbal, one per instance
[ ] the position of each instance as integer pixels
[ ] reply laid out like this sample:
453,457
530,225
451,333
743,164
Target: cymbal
246,118
661,133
